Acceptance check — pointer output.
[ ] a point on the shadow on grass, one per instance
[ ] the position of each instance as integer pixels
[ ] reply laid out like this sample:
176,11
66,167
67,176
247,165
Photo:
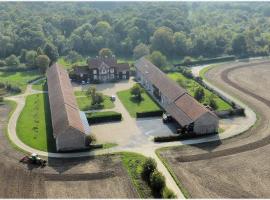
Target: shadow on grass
51,145
136,100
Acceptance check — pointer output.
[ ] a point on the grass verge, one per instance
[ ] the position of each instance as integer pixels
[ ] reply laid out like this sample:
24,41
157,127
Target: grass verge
34,126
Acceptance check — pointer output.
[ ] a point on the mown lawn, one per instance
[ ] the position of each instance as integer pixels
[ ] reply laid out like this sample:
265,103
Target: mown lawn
133,105
84,103
67,65
19,79
191,85
133,164
34,126
40,85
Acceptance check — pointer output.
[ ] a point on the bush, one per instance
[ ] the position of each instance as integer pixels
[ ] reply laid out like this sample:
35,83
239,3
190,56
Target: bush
148,167
168,194
2,63
101,117
155,113
12,61
90,139
157,182
172,138
1,99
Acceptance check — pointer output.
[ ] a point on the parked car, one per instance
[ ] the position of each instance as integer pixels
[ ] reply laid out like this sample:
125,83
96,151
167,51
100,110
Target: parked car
166,118
113,98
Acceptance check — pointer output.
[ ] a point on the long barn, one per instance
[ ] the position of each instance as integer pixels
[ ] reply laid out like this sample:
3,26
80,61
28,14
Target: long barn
70,125
175,100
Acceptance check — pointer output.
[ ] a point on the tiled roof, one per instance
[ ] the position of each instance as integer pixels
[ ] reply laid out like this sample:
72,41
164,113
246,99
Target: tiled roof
111,62
63,105
183,108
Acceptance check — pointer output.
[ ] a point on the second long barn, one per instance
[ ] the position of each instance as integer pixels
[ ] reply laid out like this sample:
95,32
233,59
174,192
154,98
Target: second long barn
175,100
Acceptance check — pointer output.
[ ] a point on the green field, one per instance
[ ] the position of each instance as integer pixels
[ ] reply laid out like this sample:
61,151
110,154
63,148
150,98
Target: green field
84,103
40,85
191,85
19,79
133,105
67,65
34,126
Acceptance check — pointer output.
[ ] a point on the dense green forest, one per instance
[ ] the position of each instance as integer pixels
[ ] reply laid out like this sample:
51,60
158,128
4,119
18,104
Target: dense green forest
131,29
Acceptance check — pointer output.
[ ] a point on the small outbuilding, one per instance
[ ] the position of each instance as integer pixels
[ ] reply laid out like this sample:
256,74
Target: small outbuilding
69,126
175,100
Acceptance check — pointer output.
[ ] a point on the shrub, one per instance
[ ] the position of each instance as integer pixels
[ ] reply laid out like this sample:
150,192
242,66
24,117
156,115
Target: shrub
155,113
199,94
101,117
12,61
213,104
157,182
148,167
2,63
168,194
1,99
90,139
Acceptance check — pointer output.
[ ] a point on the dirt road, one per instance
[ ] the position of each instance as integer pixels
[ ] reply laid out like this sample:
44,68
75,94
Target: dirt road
236,167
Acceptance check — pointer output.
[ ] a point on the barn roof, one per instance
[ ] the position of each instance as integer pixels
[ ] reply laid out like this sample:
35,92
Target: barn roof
167,87
182,107
63,105
110,61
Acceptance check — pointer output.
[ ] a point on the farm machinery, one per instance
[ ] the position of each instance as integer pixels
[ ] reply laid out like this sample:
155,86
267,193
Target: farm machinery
34,159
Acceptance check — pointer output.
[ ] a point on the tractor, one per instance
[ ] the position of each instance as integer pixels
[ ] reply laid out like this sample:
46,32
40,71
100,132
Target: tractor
34,159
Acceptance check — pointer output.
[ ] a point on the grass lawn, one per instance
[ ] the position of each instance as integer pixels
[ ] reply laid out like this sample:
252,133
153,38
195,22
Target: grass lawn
84,103
191,85
133,164
102,114
19,79
67,65
40,85
34,126
133,105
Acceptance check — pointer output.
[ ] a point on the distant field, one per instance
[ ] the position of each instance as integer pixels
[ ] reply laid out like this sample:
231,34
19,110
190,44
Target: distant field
191,85
19,79
133,105
34,126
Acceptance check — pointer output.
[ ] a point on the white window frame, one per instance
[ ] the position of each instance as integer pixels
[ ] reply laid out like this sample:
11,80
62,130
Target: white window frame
112,70
94,71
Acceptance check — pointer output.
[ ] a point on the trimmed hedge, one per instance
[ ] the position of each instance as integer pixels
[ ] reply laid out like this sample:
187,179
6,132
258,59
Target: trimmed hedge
101,117
208,61
156,113
177,137
35,79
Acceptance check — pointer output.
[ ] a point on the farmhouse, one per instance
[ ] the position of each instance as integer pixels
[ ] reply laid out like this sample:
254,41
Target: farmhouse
69,124
102,69
175,100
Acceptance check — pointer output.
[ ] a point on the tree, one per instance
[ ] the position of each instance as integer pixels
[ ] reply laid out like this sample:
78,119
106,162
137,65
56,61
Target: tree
158,59
105,52
30,58
187,60
96,98
136,90
51,51
148,167
239,45
40,51
2,63
1,99
199,94
42,62
157,182
103,28
213,103
12,61
180,43
163,40
140,51
73,56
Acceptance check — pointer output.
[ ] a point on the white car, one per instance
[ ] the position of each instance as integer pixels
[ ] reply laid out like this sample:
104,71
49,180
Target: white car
113,98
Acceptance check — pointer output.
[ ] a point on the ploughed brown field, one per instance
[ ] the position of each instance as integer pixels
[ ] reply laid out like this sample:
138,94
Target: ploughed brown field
237,167
99,177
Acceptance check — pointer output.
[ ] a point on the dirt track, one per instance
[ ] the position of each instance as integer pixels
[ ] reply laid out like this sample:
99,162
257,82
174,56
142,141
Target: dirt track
99,177
237,167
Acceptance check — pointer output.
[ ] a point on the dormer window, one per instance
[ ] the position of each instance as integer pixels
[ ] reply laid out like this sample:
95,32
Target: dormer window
112,70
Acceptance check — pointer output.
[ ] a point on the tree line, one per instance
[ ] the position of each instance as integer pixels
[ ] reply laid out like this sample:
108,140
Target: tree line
173,29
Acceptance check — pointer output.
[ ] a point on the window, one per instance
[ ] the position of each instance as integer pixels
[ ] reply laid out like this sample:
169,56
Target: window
95,77
124,72
94,71
112,70
81,75
124,77
112,76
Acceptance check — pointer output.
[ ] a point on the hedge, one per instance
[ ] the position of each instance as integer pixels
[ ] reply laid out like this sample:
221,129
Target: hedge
35,79
156,113
208,61
101,117
177,137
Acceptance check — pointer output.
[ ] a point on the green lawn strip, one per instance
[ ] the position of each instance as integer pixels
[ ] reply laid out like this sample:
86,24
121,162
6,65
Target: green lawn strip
40,85
66,64
133,105
191,85
133,164
180,185
19,79
109,145
34,126
84,103
102,114
80,93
